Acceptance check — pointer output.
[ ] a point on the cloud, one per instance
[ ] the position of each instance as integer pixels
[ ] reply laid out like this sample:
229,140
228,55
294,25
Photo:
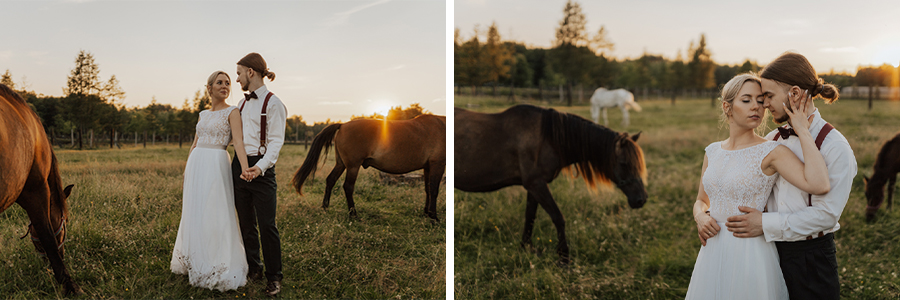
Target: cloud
397,67
335,103
5,55
342,17
839,50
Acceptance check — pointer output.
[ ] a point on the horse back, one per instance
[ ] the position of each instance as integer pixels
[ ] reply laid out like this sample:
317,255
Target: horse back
493,151
26,152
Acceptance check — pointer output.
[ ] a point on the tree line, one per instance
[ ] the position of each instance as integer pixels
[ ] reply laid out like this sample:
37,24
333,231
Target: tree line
92,109
580,59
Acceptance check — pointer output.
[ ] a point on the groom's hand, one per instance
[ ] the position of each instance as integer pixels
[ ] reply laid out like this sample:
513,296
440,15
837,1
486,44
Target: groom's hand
749,225
252,172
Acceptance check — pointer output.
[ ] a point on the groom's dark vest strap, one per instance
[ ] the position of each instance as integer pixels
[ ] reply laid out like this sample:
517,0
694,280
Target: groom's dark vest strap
262,123
819,139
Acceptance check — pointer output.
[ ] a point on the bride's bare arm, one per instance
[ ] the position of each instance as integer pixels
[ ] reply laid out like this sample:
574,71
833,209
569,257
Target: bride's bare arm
193,145
811,176
237,136
706,225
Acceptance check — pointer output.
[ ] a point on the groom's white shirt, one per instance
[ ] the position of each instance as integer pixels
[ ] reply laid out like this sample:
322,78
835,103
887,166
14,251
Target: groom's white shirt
789,218
276,119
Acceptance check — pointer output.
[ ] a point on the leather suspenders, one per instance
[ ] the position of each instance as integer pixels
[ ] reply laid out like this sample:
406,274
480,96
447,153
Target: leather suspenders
262,123
819,139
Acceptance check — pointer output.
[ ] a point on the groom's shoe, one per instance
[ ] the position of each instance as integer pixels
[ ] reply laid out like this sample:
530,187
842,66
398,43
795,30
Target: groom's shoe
255,276
273,288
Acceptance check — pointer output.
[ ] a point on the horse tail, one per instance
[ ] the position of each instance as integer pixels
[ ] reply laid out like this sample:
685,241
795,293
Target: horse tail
322,140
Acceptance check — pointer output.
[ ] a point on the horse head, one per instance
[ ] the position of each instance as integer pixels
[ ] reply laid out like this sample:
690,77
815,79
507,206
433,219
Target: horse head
630,171
58,220
874,196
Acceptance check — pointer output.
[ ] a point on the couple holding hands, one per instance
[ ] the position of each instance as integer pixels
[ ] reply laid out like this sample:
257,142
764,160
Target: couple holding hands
227,212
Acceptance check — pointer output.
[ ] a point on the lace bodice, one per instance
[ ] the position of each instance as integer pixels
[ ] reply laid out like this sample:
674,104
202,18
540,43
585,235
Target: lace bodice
213,127
734,178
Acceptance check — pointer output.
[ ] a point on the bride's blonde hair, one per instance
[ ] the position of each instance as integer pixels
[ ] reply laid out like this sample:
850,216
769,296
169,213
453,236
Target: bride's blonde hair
212,78
730,92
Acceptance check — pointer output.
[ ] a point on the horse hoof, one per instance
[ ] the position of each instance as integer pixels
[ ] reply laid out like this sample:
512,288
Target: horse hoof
73,289
563,262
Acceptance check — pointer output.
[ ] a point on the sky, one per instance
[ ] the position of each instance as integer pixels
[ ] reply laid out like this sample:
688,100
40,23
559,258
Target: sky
833,35
332,59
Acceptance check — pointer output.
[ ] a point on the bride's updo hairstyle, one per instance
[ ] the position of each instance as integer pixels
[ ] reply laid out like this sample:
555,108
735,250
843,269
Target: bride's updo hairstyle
258,64
792,69
730,92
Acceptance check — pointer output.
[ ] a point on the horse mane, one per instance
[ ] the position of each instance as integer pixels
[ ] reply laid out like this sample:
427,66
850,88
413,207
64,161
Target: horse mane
590,149
54,181
8,93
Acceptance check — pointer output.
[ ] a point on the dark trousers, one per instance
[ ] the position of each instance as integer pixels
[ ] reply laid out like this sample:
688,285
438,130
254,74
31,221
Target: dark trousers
256,203
810,268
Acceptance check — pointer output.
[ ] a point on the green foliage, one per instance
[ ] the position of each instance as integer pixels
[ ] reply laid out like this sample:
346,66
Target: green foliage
649,253
124,215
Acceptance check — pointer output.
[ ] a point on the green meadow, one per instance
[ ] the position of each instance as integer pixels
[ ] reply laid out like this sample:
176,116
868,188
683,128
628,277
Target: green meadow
126,207
649,253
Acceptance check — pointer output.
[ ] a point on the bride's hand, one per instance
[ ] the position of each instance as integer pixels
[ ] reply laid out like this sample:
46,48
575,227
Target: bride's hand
706,227
799,115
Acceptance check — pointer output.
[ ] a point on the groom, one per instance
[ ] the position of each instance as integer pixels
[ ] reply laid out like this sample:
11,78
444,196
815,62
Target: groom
802,225
263,117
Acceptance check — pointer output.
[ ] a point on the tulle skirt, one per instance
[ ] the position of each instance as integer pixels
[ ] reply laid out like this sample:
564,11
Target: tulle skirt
209,248
737,268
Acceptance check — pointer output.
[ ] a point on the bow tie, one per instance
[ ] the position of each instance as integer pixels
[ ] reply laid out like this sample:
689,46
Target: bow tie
786,132
251,95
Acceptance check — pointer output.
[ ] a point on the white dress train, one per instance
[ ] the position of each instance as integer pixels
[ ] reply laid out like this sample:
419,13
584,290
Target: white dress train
209,248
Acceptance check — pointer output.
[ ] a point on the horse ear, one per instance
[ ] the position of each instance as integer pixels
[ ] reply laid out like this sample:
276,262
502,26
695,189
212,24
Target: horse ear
865,180
68,190
636,136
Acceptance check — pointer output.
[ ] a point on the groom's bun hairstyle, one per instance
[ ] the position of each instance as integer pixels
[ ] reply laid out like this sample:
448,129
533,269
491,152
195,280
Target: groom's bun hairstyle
731,90
212,78
258,64
793,69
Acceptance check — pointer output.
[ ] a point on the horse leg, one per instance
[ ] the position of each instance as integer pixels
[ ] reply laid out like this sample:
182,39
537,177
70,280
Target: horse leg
40,221
434,172
545,199
625,116
595,113
890,190
331,181
605,120
349,184
530,212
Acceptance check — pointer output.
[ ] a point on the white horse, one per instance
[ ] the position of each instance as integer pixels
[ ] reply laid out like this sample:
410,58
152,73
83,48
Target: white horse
603,99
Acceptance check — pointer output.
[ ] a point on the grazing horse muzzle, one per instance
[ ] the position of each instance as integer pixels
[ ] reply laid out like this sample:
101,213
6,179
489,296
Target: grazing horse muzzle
634,190
60,235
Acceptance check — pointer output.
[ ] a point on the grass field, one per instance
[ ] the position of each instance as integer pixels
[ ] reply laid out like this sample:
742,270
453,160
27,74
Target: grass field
649,253
124,216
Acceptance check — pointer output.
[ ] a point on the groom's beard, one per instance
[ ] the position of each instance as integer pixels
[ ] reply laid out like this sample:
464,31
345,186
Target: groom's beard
245,88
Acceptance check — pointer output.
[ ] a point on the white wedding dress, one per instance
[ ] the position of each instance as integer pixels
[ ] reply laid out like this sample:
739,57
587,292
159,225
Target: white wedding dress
209,248
729,267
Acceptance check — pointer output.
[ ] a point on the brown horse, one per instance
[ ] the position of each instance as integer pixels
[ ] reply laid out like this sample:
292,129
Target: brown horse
29,176
887,164
394,147
529,146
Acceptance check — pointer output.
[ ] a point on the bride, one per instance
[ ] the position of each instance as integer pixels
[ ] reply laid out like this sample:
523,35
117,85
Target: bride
209,248
740,171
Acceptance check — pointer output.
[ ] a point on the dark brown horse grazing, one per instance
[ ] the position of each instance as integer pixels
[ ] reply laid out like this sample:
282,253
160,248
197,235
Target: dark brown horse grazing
887,164
29,176
529,146
394,147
